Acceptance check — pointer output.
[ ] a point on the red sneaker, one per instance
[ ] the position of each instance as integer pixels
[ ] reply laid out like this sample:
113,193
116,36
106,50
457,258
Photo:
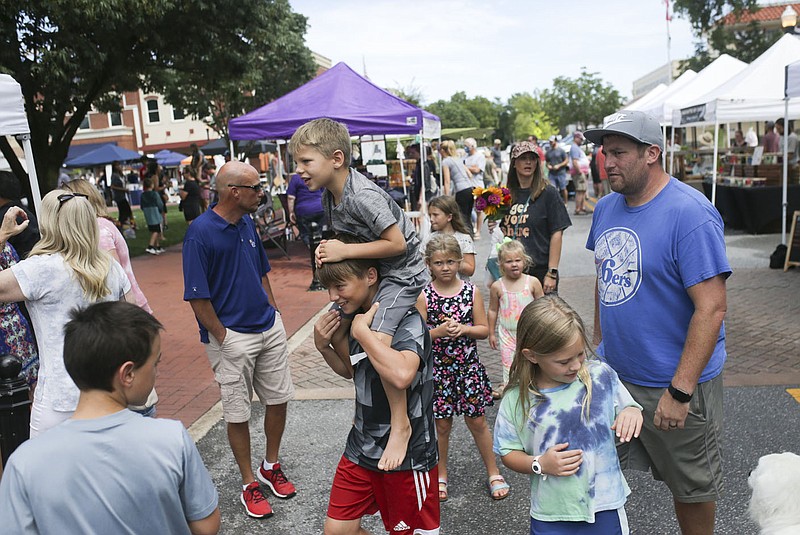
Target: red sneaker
276,481
254,501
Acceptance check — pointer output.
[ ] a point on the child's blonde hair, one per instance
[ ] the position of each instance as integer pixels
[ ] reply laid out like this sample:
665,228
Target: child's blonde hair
508,247
545,326
442,243
326,136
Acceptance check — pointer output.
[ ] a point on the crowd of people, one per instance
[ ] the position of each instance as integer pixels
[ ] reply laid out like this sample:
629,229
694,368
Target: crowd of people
575,406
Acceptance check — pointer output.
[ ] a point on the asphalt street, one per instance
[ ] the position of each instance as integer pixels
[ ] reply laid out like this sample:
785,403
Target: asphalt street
758,421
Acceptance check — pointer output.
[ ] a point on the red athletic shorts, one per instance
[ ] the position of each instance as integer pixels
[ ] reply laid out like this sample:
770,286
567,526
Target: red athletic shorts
407,500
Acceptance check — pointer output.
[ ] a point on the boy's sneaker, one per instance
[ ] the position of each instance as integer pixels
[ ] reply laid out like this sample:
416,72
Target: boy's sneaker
254,501
151,250
276,481
160,250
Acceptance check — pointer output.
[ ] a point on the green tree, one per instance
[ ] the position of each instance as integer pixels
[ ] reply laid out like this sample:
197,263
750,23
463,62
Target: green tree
411,94
712,39
581,101
454,113
528,117
71,55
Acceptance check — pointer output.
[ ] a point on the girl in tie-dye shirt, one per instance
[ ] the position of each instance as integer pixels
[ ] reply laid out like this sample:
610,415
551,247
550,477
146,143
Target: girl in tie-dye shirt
558,422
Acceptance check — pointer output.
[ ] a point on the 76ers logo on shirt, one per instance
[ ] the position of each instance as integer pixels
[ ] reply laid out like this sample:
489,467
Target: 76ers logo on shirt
618,260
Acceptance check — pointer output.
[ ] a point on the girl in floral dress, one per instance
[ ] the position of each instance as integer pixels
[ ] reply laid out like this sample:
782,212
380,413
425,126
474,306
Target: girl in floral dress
16,337
456,317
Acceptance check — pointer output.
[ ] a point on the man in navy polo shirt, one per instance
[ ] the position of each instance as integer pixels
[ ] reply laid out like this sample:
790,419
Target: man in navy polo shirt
225,281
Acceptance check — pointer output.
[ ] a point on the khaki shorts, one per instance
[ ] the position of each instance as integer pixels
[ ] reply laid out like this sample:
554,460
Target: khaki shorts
579,180
688,460
247,362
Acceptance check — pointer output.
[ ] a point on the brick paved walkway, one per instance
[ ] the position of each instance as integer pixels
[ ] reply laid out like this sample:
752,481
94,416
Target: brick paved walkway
763,312
185,383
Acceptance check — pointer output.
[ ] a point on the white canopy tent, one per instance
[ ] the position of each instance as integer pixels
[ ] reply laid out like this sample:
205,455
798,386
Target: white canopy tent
791,90
14,122
755,94
713,75
657,106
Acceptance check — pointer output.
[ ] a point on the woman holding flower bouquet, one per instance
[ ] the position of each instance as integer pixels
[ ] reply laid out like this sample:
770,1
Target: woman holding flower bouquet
536,216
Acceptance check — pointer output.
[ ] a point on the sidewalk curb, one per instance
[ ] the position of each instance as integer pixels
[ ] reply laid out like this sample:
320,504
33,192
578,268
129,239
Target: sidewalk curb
203,425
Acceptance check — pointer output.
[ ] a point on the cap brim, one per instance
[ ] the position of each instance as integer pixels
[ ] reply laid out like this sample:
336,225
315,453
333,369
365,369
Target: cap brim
596,136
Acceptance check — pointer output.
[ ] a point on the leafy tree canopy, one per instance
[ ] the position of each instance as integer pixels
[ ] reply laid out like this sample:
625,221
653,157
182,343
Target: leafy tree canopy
712,39
528,117
581,101
211,58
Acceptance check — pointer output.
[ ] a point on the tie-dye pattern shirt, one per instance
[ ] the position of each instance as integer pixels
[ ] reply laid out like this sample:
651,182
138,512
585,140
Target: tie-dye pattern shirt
599,484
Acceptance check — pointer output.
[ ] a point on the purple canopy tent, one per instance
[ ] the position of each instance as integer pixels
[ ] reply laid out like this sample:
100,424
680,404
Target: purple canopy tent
340,94
343,95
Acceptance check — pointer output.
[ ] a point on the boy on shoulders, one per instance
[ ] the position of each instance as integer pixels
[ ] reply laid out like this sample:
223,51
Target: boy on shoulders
355,205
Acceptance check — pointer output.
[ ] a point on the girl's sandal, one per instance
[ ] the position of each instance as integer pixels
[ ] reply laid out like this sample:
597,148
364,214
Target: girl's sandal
496,484
442,490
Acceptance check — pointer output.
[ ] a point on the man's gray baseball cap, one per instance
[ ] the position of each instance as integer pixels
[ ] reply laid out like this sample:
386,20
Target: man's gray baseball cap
635,125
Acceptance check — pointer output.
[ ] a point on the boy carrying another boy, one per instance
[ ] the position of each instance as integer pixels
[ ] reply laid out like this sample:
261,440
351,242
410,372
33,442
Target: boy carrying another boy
108,469
405,497
354,205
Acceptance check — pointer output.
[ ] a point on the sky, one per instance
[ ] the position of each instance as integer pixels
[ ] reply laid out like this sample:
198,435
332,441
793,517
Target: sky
494,48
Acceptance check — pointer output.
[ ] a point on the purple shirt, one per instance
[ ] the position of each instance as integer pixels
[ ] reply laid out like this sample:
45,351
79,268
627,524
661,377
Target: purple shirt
306,203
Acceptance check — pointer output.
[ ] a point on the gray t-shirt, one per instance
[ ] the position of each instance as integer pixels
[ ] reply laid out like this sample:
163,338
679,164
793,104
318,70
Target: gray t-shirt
459,179
366,211
121,473
51,292
555,156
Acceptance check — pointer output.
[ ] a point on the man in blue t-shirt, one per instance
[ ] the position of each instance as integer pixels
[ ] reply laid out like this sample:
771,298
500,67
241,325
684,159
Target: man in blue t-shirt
225,281
660,303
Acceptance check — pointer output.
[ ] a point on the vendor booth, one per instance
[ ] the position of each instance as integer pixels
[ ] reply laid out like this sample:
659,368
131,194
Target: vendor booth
757,93
343,95
14,122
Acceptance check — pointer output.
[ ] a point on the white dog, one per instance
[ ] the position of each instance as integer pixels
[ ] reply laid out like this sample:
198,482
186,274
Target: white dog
775,504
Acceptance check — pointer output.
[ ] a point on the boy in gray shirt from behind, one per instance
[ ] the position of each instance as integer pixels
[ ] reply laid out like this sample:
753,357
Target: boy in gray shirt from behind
354,205
108,469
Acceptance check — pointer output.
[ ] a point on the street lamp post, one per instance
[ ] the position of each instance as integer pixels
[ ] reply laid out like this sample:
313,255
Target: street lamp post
789,20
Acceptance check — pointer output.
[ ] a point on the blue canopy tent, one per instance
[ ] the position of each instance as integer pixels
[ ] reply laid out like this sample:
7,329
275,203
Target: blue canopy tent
167,158
103,155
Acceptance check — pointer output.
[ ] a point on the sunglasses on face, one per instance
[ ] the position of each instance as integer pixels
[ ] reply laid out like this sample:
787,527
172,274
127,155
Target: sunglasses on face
255,187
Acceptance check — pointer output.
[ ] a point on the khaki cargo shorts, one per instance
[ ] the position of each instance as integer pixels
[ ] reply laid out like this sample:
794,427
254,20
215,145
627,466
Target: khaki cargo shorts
688,460
579,179
251,361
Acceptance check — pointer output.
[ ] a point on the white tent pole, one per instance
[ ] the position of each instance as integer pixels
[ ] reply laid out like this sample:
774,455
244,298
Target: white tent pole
422,159
785,168
35,193
439,159
714,163
664,140
403,172
672,153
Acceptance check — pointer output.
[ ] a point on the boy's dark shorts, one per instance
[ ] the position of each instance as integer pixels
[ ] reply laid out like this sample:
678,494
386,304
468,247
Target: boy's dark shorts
154,228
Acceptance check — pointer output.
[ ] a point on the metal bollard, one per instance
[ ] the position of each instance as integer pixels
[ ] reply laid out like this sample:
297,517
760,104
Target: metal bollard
314,239
15,410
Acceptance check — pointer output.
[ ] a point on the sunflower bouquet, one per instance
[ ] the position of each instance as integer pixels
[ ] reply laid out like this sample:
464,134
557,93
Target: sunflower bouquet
494,201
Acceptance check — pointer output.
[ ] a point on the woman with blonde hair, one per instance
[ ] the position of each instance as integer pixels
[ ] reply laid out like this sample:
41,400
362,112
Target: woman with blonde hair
457,180
111,240
65,270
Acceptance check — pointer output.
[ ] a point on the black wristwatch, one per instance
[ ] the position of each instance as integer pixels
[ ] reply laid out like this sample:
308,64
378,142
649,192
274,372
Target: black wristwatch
553,272
679,395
